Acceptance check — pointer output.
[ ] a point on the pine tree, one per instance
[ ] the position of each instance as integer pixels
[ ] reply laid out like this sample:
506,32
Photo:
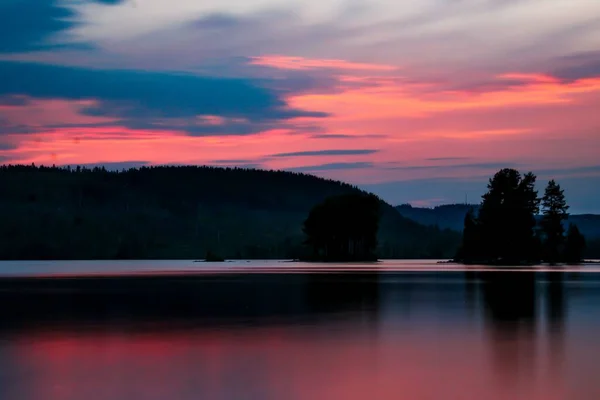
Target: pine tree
506,219
554,208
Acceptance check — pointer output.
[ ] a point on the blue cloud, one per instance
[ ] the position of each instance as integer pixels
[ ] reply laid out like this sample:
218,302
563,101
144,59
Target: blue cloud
152,100
7,127
325,153
578,66
26,24
7,146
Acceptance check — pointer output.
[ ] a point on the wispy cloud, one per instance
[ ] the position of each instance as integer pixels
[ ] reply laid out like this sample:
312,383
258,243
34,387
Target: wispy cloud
448,159
347,136
369,33
301,63
232,161
331,167
325,153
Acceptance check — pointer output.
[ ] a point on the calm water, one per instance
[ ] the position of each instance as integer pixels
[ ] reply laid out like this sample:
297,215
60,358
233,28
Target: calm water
408,331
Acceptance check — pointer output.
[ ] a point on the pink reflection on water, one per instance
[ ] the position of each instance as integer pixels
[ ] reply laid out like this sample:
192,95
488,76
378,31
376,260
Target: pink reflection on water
343,359
71,269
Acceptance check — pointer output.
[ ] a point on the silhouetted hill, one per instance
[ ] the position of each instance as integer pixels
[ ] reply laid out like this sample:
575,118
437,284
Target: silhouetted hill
588,224
179,212
449,216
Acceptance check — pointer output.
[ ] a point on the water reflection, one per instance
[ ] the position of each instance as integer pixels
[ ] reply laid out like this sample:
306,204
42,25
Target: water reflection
556,313
510,306
247,300
321,336
513,302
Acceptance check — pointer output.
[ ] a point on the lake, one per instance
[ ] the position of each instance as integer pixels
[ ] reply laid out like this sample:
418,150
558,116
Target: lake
99,330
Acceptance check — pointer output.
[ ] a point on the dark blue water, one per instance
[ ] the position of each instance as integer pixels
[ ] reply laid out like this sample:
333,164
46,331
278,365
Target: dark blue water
417,334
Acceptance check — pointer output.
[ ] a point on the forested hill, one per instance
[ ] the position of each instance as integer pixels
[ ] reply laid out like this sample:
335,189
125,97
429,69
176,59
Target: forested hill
179,212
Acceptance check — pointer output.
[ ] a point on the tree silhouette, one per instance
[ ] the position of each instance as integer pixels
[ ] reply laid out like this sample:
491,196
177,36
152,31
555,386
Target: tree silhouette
575,245
503,231
507,217
554,209
344,228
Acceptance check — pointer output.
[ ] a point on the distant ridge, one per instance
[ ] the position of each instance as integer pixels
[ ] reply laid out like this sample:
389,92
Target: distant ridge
451,216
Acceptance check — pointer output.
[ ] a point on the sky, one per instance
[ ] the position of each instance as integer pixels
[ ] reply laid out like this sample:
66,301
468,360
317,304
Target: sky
418,101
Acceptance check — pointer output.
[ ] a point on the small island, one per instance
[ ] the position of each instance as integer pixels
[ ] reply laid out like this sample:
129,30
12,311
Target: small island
343,228
505,230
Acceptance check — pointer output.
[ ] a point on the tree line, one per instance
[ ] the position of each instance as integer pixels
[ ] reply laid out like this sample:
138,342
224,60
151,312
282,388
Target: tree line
184,212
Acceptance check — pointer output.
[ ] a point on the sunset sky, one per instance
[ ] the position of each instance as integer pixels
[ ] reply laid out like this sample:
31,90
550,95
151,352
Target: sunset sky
418,101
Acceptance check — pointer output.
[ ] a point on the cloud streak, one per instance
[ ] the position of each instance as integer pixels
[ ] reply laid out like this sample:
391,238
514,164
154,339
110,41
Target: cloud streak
331,167
301,63
326,153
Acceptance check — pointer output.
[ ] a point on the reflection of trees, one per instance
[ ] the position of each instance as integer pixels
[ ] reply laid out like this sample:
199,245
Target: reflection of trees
246,298
336,292
471,291
511,312
556,310
510,307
